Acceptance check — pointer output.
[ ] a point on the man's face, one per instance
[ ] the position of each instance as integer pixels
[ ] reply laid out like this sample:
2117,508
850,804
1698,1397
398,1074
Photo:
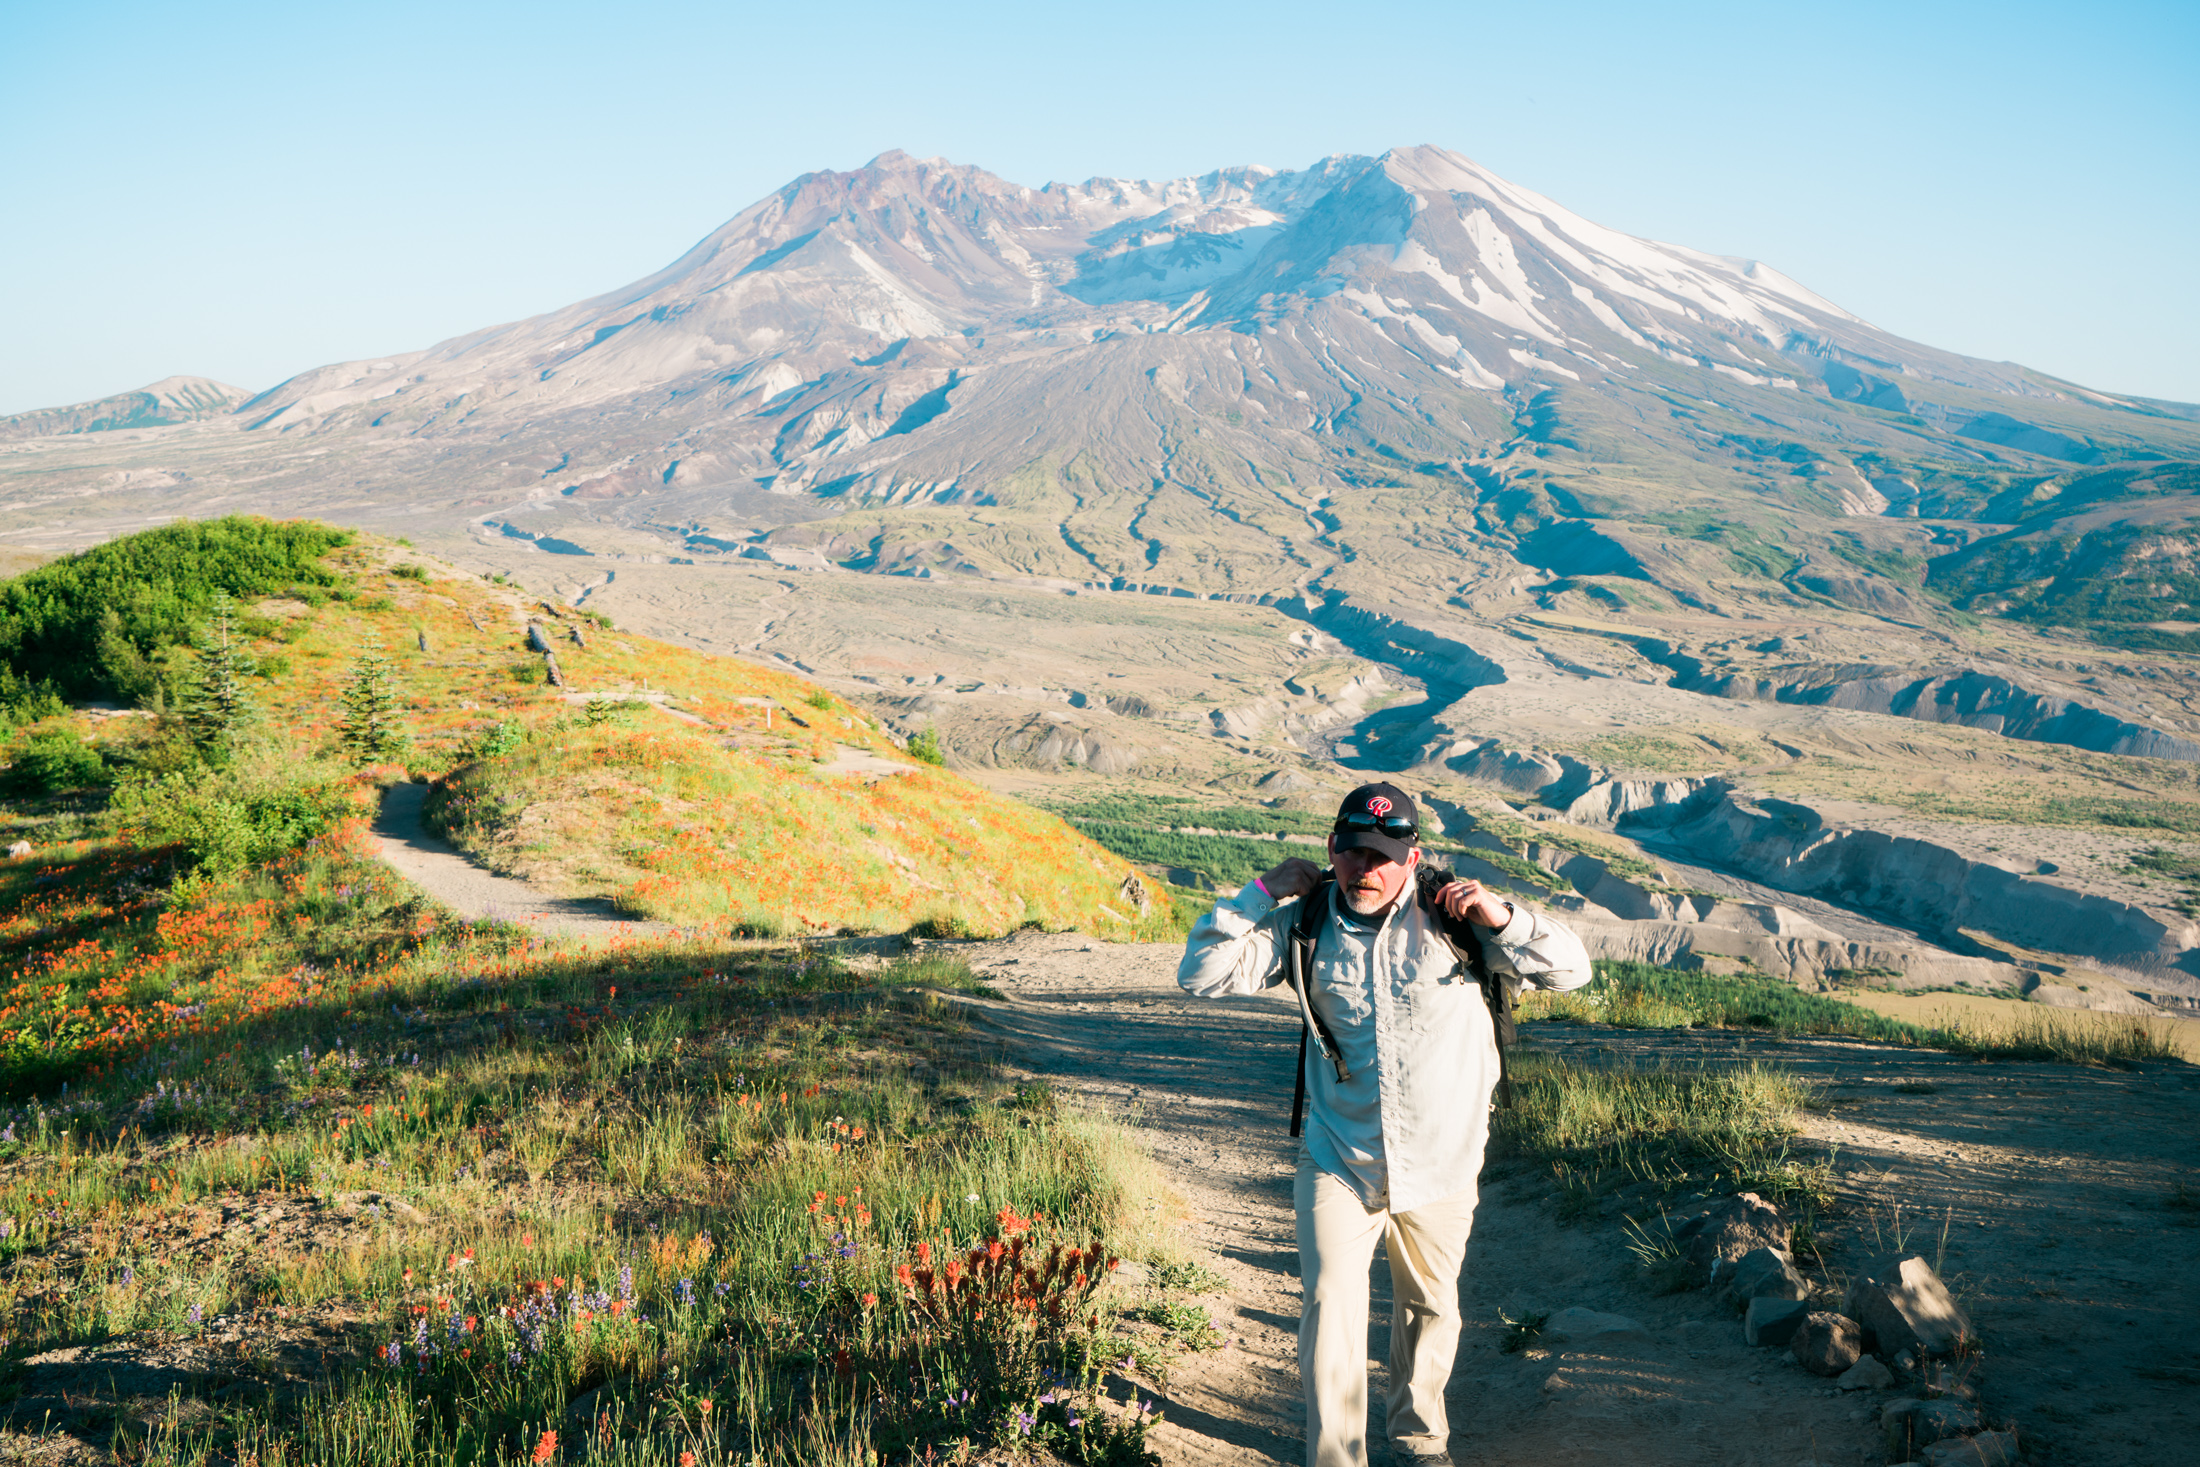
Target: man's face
1369,880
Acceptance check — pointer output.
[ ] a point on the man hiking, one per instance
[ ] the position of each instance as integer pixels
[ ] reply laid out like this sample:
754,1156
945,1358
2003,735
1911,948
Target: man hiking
1404,985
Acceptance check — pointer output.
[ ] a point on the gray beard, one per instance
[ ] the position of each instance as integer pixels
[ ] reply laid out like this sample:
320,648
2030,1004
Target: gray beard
1367,905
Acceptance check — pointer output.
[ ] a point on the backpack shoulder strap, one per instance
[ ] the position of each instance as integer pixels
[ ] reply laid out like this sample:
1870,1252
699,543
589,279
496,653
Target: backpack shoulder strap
1298,968
1466,944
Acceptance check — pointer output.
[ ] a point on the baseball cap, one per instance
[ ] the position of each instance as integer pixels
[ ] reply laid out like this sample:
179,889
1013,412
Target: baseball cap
1378,817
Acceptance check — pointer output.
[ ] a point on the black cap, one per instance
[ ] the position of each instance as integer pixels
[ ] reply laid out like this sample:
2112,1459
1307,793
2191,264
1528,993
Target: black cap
1387,804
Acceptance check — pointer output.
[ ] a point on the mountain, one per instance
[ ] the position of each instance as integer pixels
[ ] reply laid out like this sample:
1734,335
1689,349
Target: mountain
1461,430
168,401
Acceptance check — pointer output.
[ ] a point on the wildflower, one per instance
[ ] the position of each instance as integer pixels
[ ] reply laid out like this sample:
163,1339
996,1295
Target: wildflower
703,1406
546,1448
870,1301
687,1459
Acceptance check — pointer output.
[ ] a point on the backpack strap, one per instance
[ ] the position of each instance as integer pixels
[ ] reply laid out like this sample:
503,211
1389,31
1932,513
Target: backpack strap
1298,970
1466,944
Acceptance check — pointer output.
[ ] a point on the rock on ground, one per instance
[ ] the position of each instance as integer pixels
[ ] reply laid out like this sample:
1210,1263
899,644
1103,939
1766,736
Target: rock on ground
1758,1274
1827,1344
1773,1321
1902,1305
1866,1374
1913,1425
1740,1225
1587,1327
1987,1449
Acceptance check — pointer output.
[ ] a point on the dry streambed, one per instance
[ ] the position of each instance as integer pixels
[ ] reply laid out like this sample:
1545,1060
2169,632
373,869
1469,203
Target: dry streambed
2062,1203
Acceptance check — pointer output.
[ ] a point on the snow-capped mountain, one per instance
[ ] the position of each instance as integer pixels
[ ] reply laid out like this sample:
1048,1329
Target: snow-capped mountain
917,323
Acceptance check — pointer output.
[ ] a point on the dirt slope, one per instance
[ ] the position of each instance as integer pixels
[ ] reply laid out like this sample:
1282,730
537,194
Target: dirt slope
2068,1236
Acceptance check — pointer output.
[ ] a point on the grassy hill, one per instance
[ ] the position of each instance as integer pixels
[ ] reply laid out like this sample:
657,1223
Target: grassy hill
296,1167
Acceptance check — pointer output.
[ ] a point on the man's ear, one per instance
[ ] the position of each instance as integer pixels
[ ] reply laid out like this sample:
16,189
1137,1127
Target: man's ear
1413,858
1331,844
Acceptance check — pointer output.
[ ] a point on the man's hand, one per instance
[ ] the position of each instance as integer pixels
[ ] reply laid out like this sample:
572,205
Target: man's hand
1294,878
1470,901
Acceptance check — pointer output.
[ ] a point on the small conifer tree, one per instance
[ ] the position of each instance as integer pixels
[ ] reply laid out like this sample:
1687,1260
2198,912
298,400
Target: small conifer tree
370,728
215,706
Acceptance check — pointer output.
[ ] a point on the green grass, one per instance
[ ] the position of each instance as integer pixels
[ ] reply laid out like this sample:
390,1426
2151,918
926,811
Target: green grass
1229,861
1640,1132
1166,811
1633,995
719,1160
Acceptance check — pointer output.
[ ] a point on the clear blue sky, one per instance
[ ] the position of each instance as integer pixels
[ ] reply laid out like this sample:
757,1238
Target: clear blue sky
248,190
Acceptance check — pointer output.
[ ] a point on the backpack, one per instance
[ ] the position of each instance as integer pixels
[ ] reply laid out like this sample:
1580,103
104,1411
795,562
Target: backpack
1466,946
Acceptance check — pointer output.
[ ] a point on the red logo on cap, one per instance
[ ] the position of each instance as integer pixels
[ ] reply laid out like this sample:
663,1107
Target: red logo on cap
1379,805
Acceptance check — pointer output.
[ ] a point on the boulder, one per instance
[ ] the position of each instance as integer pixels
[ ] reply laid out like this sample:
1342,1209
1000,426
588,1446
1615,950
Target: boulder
19,850
1913,1425
1866,1374
1903,1306
1586,1328
1987,1449
1740,1225
1773,1321
1827,1344
1761,1273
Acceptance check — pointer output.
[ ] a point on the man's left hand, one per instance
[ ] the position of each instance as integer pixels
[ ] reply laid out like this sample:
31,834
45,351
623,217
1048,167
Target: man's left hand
1472,902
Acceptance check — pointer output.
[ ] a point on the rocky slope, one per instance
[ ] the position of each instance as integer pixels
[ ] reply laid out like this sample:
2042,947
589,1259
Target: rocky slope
168,401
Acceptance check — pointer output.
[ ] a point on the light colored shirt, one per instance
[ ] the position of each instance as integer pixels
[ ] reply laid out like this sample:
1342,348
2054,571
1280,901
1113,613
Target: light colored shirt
1413,1027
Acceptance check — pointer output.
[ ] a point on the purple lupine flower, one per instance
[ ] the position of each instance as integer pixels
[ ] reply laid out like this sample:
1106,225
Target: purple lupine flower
687,1291
626,1283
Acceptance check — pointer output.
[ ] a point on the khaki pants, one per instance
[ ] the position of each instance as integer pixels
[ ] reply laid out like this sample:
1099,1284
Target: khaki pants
1426,1246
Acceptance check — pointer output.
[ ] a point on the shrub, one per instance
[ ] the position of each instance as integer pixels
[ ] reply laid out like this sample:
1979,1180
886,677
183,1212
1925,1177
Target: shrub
924,747
227,824
501,738
821,700
57,760
411,571
91,625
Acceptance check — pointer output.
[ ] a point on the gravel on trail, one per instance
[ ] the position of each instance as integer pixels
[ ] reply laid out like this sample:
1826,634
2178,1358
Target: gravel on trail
444,873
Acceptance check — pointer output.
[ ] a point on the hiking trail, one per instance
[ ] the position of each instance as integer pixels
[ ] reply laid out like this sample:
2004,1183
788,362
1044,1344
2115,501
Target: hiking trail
403,842
2056,1186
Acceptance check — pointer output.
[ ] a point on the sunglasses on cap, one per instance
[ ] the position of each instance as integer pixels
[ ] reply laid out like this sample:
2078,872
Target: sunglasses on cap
1397,827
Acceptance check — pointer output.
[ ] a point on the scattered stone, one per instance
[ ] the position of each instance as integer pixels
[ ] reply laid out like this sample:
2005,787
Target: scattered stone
1773,1321
1761,1273
1912,1425
1903,1306
1741,1224
1827,1344
1867,1374
1941,1379
1586,1327
1987,1449
1128,1274
19,850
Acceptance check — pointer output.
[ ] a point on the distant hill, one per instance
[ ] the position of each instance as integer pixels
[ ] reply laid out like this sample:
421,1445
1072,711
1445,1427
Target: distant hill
170,400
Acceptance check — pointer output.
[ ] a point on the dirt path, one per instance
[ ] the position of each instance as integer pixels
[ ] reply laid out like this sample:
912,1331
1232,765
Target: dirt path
443,872
2068,1237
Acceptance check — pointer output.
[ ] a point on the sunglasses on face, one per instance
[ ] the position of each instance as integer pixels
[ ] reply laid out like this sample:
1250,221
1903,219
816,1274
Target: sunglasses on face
1397,827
